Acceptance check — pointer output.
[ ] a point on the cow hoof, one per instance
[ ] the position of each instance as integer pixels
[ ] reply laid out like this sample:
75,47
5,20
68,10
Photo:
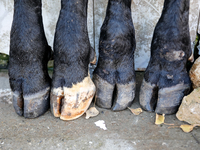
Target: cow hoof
164,100
32,105
29,55
166,79
115,97
114,75
72,88
71,103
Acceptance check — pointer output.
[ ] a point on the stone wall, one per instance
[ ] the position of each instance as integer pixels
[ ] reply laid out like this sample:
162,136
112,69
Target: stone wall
145,14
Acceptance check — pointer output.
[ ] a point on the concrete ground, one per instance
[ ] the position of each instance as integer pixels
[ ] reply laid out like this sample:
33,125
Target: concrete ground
124,130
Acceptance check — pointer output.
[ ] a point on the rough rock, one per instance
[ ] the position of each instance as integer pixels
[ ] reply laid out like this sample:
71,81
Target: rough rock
6,96
195,74
189,111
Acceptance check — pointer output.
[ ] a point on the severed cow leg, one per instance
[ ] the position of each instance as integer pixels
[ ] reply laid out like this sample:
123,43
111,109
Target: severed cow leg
166,79
29,54
72,89
114,76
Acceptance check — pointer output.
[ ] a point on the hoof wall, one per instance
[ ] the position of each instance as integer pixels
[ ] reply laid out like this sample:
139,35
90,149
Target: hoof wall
33,105
71,103
115,97
162,101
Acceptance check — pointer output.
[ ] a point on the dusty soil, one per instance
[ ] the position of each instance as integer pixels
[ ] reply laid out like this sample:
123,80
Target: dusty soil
124,130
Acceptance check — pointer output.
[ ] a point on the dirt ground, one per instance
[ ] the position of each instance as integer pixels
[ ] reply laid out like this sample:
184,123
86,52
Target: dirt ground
124,130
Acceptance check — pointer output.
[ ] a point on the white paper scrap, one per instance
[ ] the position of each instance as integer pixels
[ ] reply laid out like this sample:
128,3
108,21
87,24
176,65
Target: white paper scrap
101,124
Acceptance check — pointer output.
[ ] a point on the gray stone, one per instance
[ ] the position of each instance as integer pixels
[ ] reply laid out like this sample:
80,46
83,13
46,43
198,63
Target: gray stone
189,111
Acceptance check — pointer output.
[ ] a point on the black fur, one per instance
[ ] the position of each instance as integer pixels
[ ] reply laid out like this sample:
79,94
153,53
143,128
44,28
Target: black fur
29,51
72,50
171,35
172,31
116,46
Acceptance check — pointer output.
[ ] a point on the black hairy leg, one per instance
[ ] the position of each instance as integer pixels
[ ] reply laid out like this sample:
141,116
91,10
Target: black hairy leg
29,54
166,79
72,88
114,76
